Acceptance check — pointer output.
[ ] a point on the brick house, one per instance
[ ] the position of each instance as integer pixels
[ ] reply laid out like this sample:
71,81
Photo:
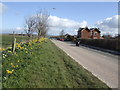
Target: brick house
86,33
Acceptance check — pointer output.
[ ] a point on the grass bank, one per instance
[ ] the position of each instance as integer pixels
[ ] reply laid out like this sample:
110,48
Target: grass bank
43,65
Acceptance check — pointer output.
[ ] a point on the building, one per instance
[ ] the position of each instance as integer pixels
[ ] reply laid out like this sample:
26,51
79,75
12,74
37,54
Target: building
86,33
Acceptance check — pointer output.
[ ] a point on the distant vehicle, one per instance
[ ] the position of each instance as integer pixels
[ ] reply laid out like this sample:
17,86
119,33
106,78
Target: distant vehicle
61,39
58,39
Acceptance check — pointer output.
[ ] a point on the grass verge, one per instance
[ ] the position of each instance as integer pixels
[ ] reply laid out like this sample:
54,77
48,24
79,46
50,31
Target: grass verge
43,65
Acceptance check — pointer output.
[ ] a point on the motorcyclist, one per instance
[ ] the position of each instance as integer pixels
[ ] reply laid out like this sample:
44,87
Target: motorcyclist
78,42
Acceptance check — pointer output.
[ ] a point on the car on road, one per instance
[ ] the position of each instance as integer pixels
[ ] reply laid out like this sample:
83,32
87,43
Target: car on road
61,39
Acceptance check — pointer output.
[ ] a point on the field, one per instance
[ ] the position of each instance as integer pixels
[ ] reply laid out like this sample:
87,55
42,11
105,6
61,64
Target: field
8,39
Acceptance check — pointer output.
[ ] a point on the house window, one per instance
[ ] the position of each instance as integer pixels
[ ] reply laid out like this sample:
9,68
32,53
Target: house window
95,33
95,38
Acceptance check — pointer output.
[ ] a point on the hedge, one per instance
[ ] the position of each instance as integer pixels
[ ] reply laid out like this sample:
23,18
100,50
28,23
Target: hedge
111,44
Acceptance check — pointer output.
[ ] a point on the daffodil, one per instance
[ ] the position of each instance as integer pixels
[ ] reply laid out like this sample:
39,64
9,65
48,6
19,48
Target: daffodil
9,72
26,51
9,51
4,55
16,66
18,60
12,65
2,49
5,78
21,47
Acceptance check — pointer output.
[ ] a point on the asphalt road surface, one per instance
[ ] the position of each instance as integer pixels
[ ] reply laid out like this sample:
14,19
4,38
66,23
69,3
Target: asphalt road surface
101,64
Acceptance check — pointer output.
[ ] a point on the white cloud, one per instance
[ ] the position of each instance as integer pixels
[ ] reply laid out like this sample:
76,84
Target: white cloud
65,23
109,25
57,24
3,8
19,28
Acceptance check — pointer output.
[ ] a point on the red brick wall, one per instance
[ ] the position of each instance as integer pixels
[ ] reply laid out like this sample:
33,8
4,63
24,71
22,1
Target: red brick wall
85,34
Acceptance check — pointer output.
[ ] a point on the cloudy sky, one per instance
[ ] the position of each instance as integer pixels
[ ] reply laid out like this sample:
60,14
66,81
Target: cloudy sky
68,16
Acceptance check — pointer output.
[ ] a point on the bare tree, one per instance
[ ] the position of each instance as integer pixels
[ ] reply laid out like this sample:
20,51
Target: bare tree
42,23
62,33
30,26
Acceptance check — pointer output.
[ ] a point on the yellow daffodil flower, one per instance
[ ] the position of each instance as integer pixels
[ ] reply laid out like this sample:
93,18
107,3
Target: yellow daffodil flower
16,66
9,72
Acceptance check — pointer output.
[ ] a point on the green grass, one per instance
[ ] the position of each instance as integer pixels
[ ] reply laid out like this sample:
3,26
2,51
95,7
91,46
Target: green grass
47,66
8,39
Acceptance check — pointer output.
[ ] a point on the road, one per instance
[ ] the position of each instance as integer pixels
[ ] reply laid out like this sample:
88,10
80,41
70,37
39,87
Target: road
101,64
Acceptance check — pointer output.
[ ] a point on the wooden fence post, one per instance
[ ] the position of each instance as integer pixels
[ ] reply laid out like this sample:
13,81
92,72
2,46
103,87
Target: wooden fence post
21,36
14,42
14,45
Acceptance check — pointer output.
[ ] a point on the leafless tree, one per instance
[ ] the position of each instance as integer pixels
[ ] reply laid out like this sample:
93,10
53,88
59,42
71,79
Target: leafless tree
62,33
30,26
42,23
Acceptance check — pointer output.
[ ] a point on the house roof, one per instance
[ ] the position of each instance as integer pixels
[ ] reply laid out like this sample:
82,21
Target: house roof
80,29
96,29
86,28
91,29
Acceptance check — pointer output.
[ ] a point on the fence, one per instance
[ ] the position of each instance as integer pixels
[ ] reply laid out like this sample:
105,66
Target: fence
111,44
8,39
